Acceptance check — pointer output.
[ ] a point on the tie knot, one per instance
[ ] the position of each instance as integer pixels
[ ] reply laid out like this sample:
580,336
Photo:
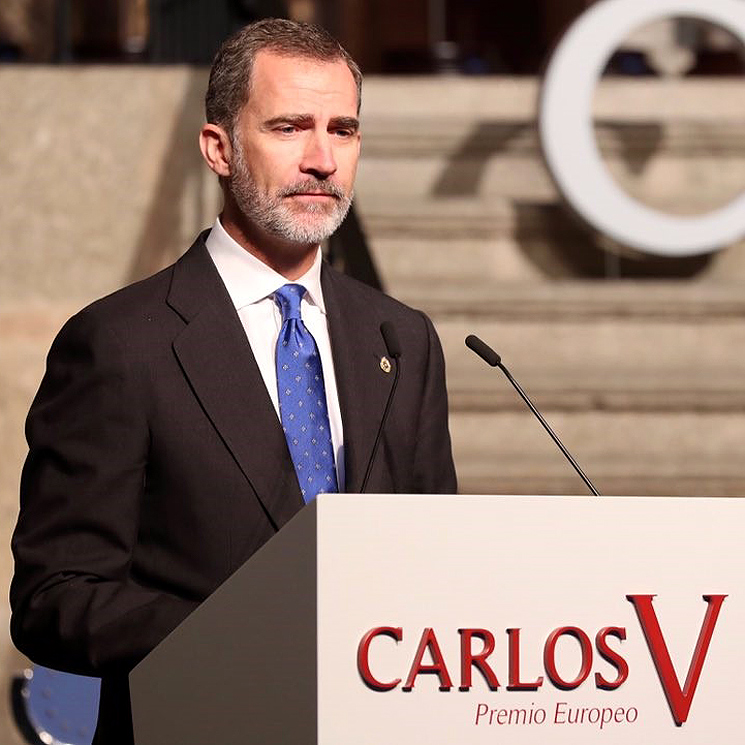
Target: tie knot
288,299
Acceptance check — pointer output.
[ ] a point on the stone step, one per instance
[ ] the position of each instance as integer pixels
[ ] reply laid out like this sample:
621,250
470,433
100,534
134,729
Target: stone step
681,454
457,218
435,263
666,176
508,240
467,240
579,299
434,136
443,220
609,346
382,181
509,99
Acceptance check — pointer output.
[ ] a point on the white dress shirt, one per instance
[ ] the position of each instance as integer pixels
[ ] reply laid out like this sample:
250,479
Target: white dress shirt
251,285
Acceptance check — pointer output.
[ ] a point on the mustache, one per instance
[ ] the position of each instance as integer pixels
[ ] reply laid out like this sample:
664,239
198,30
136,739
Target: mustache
312,186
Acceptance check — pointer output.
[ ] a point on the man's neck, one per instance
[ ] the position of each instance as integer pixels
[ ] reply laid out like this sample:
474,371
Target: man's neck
290,260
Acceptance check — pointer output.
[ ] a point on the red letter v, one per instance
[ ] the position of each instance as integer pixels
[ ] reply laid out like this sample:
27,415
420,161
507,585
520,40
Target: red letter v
679,700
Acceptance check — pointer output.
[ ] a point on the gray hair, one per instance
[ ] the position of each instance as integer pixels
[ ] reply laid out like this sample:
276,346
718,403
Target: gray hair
230,77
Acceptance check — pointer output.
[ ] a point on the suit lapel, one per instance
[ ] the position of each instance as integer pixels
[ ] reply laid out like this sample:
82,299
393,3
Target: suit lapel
217,360
357,347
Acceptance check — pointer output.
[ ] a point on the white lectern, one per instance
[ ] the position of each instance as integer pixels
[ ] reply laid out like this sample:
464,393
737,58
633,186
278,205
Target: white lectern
466,619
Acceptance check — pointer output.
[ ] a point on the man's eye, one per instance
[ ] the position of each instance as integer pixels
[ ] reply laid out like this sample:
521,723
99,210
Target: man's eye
343,132
287,129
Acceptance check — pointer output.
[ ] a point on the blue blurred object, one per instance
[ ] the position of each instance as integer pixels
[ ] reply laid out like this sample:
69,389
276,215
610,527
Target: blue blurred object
627,62
55,708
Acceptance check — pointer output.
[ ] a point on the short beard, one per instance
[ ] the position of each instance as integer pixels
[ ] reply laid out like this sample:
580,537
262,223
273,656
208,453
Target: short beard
270,213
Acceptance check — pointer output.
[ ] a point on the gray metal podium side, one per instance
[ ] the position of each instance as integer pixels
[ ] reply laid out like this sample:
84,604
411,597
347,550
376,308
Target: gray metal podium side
214,678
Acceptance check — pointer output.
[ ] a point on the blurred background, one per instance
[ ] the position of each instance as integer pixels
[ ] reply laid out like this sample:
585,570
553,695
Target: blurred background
636,359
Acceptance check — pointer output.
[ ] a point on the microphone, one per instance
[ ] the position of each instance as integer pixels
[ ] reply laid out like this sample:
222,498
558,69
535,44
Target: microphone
393,346
489,356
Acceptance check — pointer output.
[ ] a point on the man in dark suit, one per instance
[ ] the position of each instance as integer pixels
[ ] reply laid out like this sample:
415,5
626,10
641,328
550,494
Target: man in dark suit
165,447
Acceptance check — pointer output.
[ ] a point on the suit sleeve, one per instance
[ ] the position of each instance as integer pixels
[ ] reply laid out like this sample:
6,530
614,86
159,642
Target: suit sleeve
433,461
74,604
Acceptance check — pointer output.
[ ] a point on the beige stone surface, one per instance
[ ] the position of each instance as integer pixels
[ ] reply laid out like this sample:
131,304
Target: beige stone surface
692,99
96,159
611,364
632,453
685,186
503,98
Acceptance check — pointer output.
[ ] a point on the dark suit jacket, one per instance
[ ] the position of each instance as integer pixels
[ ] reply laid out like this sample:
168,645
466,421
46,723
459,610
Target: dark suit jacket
157,464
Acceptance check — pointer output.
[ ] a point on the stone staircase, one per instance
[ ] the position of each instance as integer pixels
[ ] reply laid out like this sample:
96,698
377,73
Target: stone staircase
636,362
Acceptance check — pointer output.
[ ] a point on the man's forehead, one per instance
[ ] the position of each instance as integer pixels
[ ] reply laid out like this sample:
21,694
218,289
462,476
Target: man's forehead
286,76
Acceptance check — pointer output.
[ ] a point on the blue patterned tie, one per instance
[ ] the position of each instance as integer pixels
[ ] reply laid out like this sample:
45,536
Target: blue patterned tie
302,399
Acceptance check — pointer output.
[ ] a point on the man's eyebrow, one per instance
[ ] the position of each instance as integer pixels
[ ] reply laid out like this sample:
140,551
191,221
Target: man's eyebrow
345,122
296,119
307,120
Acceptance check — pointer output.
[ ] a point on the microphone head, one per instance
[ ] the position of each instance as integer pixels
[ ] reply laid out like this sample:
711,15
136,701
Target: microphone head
390,337
483,350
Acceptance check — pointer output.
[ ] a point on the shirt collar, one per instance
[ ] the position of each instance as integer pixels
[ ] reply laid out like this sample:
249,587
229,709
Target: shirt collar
248,279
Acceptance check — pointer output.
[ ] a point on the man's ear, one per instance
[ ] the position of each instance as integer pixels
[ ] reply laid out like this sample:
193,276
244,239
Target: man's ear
216,148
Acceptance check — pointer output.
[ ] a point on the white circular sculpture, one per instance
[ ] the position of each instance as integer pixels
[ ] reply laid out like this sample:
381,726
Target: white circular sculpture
569,143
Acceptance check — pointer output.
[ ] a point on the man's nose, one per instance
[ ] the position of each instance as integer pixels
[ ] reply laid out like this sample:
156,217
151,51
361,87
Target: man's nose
318,157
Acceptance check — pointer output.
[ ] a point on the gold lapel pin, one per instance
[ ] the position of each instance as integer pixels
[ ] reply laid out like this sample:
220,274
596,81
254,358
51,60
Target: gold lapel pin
385,364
